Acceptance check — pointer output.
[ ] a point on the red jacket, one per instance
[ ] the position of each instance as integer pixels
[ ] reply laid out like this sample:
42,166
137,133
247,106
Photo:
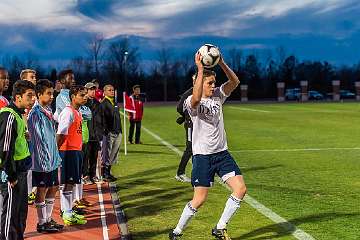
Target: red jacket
139,108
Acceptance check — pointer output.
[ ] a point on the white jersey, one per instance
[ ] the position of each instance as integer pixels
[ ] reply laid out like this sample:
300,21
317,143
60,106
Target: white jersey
208,134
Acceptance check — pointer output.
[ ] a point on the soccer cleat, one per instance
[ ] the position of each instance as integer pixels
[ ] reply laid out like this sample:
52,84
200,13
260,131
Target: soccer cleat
84,202
79,211
86,180
31,198
74,213
95,180
56,225
174,236
79,204
47,228
74,220
182,178
220,234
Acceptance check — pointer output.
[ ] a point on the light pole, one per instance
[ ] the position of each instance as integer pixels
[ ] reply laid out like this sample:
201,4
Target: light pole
125,69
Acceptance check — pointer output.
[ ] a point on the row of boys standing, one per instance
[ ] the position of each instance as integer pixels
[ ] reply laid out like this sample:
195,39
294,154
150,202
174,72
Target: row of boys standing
48,150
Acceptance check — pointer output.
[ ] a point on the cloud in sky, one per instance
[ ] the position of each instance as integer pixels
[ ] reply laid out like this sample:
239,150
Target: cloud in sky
178,18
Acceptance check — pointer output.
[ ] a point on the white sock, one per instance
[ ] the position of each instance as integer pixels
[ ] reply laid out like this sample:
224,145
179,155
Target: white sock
49,208
41,212
67,203
80,190
29,181
232,204
76,195
186,216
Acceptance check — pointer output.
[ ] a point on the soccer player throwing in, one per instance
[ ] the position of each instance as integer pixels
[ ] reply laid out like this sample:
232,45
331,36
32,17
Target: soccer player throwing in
209,144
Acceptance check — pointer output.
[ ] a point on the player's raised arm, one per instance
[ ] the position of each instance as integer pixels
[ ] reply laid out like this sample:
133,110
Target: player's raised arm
198,85
233,81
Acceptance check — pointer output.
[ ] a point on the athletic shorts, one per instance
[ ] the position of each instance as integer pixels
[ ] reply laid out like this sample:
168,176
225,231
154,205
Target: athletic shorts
206,166
45,179
71,167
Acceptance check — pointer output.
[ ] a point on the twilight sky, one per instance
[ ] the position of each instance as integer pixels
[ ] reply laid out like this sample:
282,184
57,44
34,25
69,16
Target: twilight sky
312,29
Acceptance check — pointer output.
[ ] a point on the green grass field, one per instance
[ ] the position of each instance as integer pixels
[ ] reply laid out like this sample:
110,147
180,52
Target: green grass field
313,182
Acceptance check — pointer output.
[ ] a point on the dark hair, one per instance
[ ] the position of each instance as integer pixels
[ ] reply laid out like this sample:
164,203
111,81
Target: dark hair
206,73
3,70
65,72
75,90
42,85
20,87
135,86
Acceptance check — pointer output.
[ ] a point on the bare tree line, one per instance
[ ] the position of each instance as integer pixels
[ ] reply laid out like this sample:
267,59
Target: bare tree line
168,76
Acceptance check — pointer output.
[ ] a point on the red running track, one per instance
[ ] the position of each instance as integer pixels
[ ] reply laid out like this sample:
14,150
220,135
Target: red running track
96,228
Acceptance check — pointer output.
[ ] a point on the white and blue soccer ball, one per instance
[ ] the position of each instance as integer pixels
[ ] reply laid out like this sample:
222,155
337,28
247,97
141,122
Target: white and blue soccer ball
210,55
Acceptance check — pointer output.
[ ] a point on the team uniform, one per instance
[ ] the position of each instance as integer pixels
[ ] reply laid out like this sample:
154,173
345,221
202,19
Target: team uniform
210,157
62,101
209,144
15,162
70,125
44,150
45,157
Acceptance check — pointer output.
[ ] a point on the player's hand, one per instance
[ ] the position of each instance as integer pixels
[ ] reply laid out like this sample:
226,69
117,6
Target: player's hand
13,184
198,62
221,60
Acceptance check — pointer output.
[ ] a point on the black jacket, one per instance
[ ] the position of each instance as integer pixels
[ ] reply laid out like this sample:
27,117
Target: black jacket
95,124
110,117
8,135
183,112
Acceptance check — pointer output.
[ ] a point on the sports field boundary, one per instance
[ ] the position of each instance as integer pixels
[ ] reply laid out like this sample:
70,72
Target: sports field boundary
121,218
283,223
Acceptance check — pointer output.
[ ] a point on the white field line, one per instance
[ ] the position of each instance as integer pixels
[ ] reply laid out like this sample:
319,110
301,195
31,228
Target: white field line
295,149
102,214
249,109
296,232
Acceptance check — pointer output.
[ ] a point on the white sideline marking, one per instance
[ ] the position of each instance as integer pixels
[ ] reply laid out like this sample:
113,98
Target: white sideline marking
102,214
295,149
296,232
249,109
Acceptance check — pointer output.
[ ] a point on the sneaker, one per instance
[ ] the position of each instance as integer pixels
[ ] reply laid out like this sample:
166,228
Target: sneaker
86,180
79,211
95,180
86,203
220,234
74,220
79,204
56,225
73,213
46,227
31,198
182,178
78,215
174,236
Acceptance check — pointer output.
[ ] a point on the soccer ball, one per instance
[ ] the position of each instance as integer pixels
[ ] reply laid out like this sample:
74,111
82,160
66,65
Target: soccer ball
210,55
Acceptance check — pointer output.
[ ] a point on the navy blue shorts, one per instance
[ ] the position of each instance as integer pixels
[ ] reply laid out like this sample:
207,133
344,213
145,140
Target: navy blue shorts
206,166
71,167
45,179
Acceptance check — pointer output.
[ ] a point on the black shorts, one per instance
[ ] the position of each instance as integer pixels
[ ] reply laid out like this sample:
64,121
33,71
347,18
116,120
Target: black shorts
71,166
45,179
206,166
